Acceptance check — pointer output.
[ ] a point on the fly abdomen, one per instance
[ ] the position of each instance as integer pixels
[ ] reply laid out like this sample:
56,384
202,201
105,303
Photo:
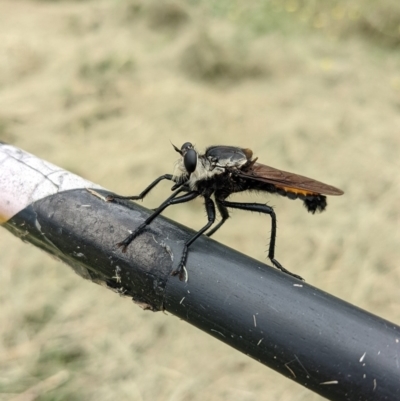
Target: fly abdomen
315,203
290,193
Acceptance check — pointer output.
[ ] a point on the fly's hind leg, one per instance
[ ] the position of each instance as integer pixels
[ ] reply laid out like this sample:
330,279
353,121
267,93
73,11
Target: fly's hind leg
261,208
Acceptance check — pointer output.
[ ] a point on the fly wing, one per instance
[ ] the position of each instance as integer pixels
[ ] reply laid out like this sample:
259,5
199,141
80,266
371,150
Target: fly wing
285,180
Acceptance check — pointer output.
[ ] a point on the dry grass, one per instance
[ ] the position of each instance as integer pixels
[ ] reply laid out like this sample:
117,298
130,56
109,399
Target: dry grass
166,14
208,60
96,87
366,19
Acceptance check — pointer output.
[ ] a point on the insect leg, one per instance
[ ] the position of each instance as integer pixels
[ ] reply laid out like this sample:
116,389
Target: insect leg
261,208
183,188
210,209
224,214
177,192
171,201
144,192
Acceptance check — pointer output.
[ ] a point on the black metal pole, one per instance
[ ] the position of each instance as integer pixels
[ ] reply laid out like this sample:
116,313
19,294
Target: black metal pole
327,345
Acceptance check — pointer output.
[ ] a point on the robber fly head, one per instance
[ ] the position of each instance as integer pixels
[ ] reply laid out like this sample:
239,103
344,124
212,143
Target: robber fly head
192,166
189,157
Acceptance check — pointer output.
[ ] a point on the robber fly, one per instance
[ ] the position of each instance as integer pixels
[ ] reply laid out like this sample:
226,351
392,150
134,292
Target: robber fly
220,172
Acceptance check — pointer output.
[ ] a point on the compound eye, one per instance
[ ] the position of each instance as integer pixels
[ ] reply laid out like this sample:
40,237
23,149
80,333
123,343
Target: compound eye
190,160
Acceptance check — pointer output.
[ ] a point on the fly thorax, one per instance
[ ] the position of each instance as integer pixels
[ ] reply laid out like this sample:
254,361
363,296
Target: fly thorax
204,171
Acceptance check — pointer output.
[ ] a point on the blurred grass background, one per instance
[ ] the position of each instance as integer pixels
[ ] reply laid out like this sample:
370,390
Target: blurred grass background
101,87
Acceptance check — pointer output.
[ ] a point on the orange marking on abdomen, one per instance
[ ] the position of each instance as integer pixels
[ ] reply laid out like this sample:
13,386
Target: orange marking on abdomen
298,191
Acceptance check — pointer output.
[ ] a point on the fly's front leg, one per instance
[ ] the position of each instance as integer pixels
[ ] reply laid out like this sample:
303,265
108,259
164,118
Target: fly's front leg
144,192
258,207
210,209
174,195
181,188
170,201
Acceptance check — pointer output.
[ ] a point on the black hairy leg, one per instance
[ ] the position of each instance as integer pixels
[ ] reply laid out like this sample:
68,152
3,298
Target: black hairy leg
224,216
170,201
261,208
144,192
210,209
173,195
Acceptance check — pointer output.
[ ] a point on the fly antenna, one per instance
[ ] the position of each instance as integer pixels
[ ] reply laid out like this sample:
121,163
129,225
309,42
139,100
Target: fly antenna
176,149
